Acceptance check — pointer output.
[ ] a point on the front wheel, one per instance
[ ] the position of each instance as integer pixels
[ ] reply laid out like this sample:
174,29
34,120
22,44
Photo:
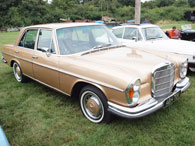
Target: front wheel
192,69
94,105
18,73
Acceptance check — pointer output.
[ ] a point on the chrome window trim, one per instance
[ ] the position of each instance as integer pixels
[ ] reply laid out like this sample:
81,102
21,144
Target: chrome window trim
71,74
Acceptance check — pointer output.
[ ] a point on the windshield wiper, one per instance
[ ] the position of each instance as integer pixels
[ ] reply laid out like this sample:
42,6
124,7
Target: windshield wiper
154,38
100,46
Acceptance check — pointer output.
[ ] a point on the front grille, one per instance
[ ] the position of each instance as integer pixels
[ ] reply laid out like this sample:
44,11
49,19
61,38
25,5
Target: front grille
163,79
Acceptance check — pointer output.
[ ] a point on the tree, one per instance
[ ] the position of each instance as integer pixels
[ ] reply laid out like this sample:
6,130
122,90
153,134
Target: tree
191,3
127,2
164,3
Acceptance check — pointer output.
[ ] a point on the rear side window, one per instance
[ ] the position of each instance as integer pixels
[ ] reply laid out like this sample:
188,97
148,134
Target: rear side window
45,41
28,39
118,32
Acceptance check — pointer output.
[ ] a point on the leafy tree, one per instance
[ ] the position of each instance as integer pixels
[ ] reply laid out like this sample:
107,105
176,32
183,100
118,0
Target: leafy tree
127,2
181,3
191,3
164,3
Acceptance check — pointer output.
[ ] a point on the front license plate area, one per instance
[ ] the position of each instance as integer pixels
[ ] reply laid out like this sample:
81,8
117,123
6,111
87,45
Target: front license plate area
172,99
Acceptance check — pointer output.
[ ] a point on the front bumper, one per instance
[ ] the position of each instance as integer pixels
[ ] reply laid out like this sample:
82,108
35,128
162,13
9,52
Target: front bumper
3,60
150,106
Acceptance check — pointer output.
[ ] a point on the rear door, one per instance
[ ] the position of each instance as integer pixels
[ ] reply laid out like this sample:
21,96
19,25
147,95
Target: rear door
45,64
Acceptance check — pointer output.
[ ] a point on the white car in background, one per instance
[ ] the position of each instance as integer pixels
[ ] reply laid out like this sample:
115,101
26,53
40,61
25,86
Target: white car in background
149,36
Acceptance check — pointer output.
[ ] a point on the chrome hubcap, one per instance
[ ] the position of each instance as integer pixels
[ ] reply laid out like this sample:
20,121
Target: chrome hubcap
192,69
92,106
17,72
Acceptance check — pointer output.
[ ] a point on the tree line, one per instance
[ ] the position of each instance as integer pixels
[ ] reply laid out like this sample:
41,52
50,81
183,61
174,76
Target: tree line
29,12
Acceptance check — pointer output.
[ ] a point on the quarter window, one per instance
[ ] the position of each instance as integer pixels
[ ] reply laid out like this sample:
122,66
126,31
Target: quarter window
28,39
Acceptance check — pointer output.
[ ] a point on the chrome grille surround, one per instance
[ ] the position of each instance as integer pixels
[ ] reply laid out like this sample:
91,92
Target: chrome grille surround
162,81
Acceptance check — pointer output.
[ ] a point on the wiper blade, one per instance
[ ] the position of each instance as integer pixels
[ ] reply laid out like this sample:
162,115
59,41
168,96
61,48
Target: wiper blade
100,46
154,38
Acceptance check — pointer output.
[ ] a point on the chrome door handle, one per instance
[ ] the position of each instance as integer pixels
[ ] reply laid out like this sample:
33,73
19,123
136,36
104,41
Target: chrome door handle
34,57
16,51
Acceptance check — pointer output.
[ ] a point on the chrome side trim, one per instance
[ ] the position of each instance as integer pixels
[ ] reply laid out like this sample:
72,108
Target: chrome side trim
150,106
70,74
48,85
3,60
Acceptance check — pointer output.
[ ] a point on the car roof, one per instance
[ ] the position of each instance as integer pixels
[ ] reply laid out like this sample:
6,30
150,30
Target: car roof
136,26
61,25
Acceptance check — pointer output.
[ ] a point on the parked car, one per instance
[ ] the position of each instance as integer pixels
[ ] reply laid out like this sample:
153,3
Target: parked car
85,60
186,33
148,36
3,138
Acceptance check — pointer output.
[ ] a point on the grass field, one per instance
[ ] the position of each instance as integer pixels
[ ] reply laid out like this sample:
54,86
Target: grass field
32,114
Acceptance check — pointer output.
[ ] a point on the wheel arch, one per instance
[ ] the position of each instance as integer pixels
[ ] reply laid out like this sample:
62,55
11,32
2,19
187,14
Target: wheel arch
12,62
80,84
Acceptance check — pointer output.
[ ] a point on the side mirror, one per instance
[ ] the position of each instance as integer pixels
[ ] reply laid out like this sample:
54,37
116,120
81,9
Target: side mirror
135,39
44,49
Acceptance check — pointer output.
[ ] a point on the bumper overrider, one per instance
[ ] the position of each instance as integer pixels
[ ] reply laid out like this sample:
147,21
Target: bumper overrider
151,105
3,60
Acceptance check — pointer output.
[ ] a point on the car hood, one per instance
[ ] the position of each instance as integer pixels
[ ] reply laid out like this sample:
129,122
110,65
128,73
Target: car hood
171,45
117,66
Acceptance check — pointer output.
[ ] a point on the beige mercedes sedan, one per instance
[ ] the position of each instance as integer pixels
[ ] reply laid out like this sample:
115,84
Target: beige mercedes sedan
85,60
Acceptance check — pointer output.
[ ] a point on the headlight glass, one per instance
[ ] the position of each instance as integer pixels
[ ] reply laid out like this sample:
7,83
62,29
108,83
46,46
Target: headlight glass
133,92
183,69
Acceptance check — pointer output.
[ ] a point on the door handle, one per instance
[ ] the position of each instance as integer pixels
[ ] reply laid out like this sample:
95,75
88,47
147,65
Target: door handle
16,51
34,57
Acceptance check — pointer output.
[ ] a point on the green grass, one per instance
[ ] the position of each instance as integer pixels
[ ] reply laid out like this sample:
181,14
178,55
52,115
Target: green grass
32,114
169,24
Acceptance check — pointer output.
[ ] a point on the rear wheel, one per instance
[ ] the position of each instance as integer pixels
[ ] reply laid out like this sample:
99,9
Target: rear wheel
94,105
18,73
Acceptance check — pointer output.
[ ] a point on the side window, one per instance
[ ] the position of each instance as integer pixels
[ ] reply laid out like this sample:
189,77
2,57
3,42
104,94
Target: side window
131,33
45,41
118,32
28,39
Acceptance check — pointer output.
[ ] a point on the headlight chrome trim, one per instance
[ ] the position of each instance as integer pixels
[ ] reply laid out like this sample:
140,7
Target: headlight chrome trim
183,69
135,86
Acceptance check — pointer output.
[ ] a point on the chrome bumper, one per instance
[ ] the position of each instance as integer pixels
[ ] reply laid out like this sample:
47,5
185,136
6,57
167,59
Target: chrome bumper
149,107
3,60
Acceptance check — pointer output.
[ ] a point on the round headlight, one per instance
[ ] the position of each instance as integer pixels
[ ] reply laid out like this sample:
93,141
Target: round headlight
183,69
133,92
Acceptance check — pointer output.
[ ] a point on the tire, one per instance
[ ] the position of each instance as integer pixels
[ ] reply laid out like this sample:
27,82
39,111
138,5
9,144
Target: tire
192,69
94,105
18,73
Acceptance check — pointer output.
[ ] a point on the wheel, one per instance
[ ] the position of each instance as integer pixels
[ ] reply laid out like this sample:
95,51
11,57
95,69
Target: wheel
18,73
94,105
192,69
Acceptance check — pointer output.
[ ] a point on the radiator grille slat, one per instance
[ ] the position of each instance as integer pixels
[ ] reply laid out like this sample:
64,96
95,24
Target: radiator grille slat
163,80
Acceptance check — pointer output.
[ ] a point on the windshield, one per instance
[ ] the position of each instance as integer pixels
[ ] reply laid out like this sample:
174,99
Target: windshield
73,40
153,33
